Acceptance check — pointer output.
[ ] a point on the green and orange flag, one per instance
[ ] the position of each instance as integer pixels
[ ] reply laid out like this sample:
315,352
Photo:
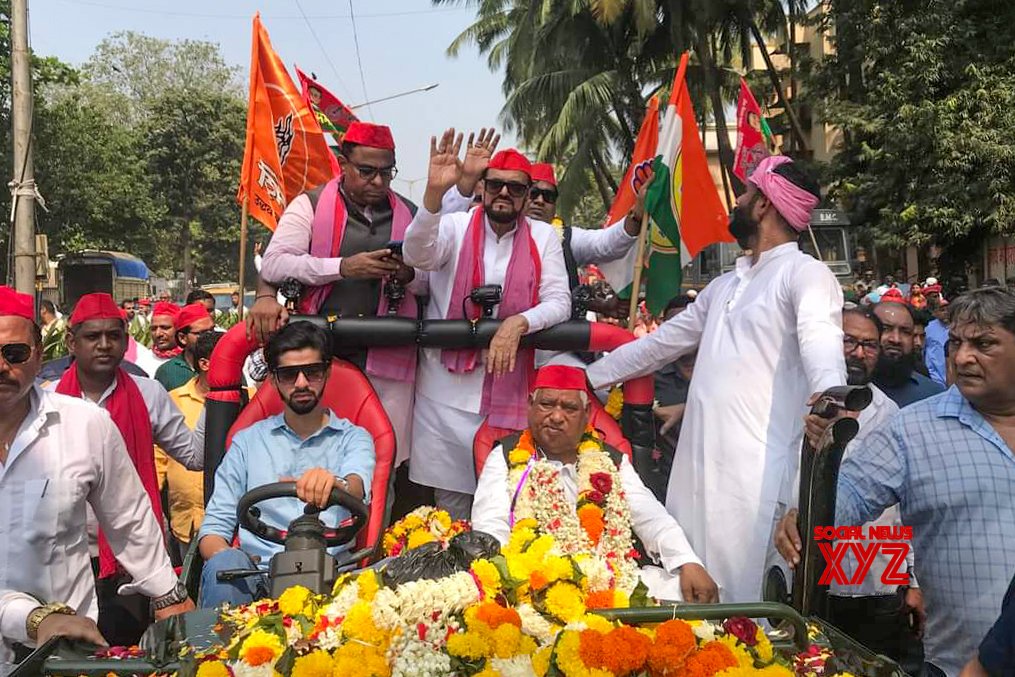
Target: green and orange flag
333,115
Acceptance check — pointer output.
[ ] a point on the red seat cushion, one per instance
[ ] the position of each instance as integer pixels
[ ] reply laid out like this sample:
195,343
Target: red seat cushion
349,394
487,436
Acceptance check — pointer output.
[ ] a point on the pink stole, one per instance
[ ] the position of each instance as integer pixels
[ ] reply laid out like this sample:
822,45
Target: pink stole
505,404
327,230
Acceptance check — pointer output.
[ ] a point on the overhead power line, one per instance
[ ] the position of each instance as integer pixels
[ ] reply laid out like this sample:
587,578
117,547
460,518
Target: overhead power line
359,60
209,15
327,57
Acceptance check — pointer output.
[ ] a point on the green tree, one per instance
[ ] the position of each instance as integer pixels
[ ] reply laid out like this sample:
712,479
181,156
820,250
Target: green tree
924,94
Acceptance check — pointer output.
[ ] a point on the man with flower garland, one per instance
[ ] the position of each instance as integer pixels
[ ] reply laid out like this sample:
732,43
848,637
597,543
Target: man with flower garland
585,494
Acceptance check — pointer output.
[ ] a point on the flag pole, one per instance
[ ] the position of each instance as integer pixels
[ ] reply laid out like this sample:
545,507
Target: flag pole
814,241
638,267
243,253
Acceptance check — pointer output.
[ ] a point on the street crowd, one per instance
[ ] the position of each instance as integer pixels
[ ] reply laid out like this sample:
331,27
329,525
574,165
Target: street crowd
94,447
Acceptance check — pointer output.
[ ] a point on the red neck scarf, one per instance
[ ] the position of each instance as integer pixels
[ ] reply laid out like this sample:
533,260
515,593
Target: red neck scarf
505,404
166,354
130,414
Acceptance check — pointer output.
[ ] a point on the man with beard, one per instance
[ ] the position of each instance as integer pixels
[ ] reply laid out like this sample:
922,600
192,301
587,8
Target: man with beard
895,373
306,443
769,337
188,325
164,346
495,244
886,619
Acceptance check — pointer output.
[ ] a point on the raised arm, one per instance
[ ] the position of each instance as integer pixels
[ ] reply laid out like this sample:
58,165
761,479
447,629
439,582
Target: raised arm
602,245
872,477
425,246
817,298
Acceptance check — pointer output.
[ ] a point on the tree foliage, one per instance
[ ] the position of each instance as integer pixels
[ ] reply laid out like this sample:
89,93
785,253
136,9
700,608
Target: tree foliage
924,93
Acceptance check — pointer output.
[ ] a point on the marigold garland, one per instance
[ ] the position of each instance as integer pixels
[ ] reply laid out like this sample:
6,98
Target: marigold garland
314,664
260,648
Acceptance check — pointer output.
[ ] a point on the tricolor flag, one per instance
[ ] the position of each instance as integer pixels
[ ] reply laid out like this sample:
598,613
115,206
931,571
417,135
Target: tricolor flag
286,153
686,212
333,115
620,273
754,138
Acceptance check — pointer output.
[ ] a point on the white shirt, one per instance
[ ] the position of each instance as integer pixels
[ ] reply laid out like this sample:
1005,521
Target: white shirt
148,360
768,335
662,537
600,245
68,455
433,243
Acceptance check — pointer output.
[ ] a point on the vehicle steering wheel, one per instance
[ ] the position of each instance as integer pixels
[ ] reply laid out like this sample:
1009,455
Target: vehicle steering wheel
250,517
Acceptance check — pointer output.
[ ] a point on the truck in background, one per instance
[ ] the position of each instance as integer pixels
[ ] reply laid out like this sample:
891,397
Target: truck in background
121,275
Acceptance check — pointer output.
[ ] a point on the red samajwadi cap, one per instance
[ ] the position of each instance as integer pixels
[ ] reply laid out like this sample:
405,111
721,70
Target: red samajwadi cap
98,306
932,289
15,304
560,377
543,171
511,160
166,308
190,314
371,135
893,295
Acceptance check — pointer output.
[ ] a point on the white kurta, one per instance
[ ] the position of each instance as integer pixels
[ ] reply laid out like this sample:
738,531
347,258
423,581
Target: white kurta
433,243
67,455
768,335
662,537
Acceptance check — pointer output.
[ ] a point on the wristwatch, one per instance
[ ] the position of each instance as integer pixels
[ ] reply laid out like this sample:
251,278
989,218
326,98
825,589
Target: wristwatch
173,597
37,615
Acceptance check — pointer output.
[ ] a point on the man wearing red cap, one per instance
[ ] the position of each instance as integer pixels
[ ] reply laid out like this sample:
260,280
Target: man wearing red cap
164,345
551,461
492,245
189,323
58,457
768,336
145,415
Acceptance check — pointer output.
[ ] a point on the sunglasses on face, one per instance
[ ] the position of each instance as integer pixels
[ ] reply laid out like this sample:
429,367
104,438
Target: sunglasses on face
198,334
16,353
495,187
368,172
314,373
548,194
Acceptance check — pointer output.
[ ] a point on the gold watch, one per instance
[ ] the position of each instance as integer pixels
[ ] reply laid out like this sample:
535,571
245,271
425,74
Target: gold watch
41,613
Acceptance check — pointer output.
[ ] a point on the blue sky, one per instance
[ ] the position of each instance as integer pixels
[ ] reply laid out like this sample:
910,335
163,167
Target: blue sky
402,43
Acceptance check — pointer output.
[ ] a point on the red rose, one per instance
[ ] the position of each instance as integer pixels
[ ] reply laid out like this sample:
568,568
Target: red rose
743,629
595,497
601,482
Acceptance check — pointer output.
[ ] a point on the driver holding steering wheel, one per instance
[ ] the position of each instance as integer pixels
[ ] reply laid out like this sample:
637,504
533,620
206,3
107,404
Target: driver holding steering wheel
307,443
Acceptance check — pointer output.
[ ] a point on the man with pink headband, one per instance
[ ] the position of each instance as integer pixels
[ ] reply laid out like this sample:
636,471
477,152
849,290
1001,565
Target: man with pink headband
768,336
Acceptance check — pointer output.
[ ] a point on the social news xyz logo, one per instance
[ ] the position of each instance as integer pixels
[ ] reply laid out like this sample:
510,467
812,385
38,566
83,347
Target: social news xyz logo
835,542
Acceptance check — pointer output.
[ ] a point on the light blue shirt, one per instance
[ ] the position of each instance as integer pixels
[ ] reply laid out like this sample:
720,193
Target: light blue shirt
934,350
954,480
268,451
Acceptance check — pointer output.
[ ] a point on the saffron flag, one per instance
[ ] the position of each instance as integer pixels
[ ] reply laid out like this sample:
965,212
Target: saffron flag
286,153
753,135
333,115
620,273
686,211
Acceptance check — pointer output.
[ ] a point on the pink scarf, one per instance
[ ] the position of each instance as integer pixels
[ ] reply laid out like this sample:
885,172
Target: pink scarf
129,412
328,229
505,404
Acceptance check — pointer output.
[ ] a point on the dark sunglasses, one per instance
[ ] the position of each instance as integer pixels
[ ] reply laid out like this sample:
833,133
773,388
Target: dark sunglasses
495,187
548,194
367,172
16,353
199,334
314,373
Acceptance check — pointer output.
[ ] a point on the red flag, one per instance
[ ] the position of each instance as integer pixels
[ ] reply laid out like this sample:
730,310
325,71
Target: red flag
752,134
333,115
642,157
286,153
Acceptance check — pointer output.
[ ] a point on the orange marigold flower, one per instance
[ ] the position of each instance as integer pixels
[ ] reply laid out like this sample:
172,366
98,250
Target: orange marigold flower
494,615
711,659
625,650
590,648
601,599
538,580
674,641
591,518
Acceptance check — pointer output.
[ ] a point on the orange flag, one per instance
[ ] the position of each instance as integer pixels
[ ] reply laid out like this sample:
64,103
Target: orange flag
641,158
286,153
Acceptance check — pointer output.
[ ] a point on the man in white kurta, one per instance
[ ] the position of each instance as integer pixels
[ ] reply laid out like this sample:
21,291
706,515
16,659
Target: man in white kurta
768,336
448,405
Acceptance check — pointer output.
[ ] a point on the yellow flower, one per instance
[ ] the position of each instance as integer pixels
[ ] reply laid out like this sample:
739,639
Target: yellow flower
468,645
488,575
569,659
541,660
488,672
597,622
615,402
368,585
213,669
315,664
260,647
294,600
355,658
418,538
505,640
744,657
586,447
557,568
359,624
518,456
564,601
763,646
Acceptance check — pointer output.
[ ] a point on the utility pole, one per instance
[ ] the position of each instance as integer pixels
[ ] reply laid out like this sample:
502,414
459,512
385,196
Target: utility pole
23,195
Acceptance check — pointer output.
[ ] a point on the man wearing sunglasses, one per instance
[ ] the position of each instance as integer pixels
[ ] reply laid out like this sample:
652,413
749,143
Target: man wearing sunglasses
307,443
59,456
189,323
493,244
145,415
